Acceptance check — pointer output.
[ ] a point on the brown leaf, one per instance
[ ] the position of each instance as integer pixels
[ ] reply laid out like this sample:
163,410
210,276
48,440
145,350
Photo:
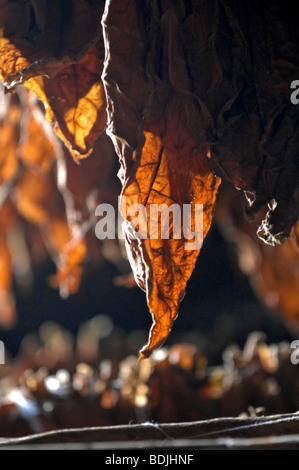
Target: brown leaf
77,99
34,189
89,183
9,140
65,47
273,271
39,200
190,86
162,267
36,150
69,255
7,304
162,157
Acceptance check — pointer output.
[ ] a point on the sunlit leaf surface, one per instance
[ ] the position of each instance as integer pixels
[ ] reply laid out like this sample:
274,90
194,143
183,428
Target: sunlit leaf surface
181,92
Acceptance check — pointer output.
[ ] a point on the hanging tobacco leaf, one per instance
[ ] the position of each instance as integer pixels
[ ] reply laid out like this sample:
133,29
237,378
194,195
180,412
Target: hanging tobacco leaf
55,49
191,88
8,220
29,183
273,271
163,160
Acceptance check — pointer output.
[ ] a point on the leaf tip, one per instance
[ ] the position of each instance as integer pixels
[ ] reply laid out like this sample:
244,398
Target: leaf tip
144,353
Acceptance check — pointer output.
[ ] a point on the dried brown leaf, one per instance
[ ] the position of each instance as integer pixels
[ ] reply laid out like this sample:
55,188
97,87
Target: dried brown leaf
35,192
162,267
67,49
7,304
162,157
9,140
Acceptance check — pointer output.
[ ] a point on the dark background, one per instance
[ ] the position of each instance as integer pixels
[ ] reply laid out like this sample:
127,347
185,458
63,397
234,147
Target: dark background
219,307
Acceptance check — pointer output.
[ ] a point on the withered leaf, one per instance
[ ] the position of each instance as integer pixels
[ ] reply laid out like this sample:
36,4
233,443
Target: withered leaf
34,190
162,159
273,271
7,303
162,267
38,198
77,99
68,253
191,87
90,183
67,48
9,139
255,125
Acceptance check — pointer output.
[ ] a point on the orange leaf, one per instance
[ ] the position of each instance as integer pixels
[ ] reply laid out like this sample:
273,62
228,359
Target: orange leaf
77,99
72,92
9,140
162,267
156,127
34,190
68,254
7,304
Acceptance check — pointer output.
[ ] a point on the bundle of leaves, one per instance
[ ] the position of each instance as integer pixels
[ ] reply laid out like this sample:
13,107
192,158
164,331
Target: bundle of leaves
189,92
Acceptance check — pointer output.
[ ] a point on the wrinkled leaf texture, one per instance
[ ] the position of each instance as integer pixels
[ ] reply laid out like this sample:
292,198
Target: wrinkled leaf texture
188,88
55,49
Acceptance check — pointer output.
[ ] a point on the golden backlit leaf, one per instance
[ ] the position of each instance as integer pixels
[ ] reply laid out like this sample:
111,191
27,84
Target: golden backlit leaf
11,59
33,196
185,89
162,267
74,100
36,151
39,200
90,183
77,99
67,83
9,138
34,190
7,303
163,160
68,254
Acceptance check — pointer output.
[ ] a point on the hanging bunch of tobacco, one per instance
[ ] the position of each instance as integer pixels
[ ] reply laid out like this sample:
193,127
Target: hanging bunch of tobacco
184,92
